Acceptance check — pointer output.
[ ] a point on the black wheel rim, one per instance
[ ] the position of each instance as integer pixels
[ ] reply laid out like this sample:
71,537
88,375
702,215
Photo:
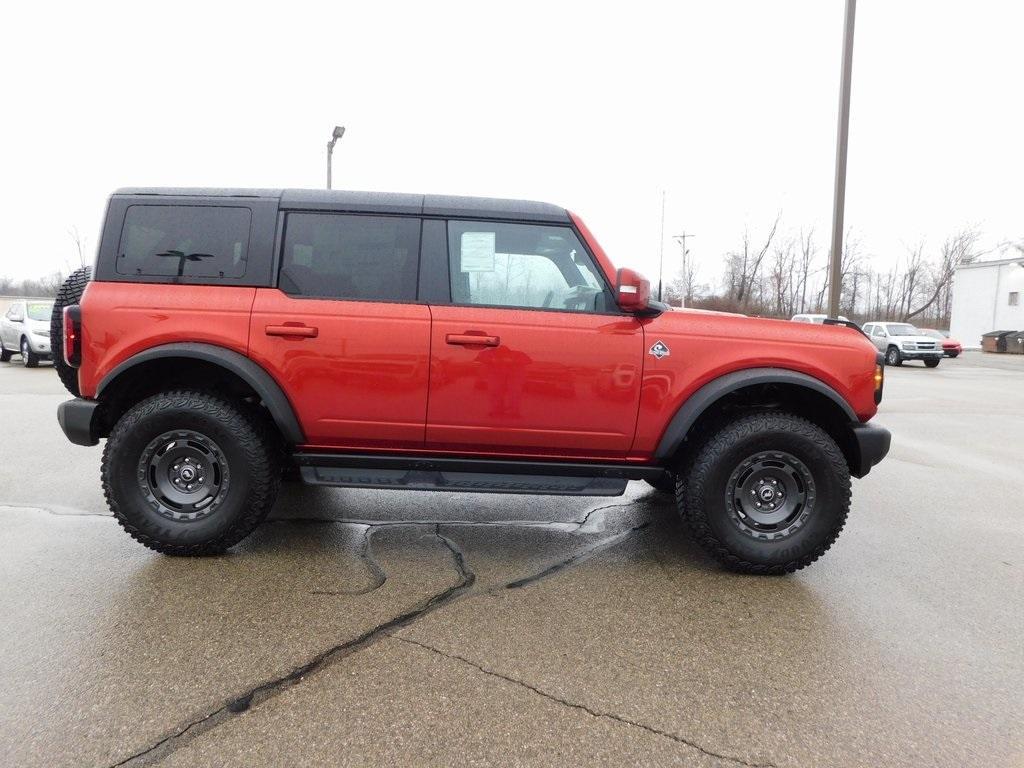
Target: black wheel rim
183,475
770,495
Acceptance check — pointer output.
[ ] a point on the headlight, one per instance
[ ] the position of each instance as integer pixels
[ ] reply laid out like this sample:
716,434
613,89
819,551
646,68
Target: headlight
45,334
908,345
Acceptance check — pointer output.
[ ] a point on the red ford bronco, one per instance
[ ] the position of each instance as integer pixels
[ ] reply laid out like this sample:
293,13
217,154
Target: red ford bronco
227,339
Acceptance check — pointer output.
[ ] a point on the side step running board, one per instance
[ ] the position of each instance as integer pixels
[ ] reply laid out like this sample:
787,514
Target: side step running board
473,475
476,482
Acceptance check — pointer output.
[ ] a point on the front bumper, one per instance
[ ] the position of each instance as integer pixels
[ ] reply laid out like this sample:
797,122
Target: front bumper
872,443
76,419
930,354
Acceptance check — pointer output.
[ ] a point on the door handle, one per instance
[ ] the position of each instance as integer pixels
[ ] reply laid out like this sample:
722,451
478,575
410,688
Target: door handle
472,340
300,331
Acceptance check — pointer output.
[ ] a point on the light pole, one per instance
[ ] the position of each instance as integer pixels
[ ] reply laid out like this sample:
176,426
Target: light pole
681,239
842,136
339,131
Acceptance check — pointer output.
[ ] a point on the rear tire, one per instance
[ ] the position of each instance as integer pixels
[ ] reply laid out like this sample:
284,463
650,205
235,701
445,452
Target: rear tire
5,354
187,473
781,460
893,356
28,358
70,293
932,363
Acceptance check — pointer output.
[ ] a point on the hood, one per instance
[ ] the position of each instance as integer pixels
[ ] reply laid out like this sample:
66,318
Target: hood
917,338
777,335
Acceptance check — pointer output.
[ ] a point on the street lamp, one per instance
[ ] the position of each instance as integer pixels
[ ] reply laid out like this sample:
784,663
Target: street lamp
339,131
842,136
681,239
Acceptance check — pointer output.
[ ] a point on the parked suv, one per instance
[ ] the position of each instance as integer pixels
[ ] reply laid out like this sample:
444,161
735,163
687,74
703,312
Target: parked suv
25,331
230,337
902,341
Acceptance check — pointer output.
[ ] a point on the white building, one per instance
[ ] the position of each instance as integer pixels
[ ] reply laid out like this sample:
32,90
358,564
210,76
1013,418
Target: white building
987,296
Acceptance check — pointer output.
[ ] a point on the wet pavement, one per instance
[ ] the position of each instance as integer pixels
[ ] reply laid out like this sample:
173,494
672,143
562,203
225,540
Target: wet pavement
362,627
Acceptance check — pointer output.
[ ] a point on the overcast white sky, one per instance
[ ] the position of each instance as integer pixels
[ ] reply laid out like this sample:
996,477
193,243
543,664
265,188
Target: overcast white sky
729,106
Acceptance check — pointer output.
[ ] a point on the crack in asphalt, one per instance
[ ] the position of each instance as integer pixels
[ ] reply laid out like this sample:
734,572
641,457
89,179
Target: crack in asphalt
575,559
379,577
271,688
55,511
583,707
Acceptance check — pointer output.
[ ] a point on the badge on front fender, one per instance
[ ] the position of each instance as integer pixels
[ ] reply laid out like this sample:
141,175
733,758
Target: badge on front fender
660,349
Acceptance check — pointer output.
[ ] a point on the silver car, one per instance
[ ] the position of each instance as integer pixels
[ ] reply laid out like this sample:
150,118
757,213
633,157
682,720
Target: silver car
25,330
902,341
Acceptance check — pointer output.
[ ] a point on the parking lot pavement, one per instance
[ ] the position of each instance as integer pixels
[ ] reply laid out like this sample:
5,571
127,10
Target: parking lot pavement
364,627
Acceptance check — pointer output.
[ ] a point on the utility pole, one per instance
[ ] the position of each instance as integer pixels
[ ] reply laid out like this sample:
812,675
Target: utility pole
339,131
842,137
681,239
661,247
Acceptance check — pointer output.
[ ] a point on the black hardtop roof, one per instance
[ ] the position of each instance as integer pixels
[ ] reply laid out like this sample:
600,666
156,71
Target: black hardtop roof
375,202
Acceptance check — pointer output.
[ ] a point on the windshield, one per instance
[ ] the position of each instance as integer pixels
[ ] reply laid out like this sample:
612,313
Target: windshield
902,329
933,334
39,311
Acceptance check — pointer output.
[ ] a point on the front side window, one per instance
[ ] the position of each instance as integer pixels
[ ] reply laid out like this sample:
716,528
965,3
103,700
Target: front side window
880,331
184,241
526,266
341,256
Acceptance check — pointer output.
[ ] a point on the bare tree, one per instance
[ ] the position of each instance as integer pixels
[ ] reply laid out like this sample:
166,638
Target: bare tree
743,267
959,248
80,245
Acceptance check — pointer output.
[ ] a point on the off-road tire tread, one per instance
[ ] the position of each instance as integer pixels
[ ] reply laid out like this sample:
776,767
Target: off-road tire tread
262,464
70,292
689,494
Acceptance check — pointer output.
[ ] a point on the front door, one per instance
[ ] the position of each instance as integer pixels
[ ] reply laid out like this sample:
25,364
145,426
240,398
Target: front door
532,357
343,334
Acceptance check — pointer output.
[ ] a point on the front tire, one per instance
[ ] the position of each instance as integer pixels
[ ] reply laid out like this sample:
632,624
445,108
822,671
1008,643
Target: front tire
893,356
28,358
932,363
767,494
187,473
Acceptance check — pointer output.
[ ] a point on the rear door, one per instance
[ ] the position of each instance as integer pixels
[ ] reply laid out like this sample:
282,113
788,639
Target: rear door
343,333
879,338
10,326
531,357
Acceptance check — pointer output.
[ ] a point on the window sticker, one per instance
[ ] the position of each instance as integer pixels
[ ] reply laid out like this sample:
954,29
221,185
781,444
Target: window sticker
477,251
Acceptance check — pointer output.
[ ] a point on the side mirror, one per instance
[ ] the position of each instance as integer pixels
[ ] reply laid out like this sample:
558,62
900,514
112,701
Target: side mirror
633,291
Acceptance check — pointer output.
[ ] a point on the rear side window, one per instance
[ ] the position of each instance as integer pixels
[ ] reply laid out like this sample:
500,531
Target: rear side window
184,241
340,256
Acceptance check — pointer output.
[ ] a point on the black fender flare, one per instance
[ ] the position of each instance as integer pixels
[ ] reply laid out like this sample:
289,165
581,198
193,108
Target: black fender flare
254,375
715,389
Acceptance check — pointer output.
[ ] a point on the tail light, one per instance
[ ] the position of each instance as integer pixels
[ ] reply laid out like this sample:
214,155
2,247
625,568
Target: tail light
879,377
73,335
